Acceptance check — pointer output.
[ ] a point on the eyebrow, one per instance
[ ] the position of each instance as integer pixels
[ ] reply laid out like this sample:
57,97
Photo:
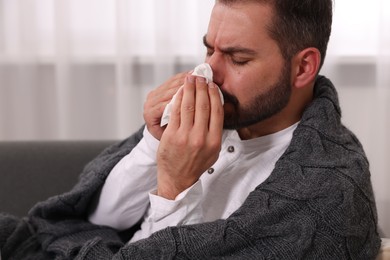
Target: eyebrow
230,50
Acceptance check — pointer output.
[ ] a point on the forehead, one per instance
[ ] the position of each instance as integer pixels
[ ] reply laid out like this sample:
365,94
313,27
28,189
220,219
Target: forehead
239,24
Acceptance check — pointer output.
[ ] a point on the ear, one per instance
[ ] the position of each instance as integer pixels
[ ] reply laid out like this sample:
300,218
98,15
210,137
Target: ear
306,65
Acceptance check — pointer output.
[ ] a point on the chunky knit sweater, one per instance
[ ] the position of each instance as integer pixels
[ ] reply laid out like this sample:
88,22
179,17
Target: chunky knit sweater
318,203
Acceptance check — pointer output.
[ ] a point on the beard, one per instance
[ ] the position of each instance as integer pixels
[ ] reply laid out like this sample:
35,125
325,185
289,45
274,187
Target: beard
262,106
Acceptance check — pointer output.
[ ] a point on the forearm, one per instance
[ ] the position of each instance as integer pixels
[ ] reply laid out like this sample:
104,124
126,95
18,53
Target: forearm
123,199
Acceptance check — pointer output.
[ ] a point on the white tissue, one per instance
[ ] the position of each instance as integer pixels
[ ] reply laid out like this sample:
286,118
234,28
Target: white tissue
202,70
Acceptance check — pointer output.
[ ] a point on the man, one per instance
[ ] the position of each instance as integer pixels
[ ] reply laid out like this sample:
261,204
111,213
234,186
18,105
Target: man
284,180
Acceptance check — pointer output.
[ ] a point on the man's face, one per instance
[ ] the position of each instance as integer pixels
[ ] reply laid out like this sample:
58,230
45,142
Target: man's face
247,63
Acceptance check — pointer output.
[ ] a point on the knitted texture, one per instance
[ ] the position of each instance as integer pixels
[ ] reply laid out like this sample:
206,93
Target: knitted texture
317,203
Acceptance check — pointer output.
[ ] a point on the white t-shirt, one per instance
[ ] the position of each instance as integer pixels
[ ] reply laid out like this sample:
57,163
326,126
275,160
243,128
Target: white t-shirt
129,191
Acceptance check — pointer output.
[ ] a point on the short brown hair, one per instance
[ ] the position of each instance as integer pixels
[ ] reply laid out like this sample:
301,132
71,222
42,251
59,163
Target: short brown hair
298,24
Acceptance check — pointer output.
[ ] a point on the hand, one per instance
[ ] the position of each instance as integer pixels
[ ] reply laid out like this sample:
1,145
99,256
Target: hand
192,140
156,101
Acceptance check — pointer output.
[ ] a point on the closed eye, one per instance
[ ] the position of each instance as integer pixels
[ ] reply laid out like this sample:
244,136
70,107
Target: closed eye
239,63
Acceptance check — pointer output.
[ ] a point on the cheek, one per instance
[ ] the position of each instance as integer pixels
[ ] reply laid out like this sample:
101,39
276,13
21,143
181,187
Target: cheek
244,86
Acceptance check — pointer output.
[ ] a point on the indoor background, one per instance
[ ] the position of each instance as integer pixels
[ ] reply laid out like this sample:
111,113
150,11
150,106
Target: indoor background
81,69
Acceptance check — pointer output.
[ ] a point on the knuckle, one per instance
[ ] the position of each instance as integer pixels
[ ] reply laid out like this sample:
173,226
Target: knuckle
151,94
214,145
204,107
219,110
160,108
188,108
197,143
175,111
180,80
181,141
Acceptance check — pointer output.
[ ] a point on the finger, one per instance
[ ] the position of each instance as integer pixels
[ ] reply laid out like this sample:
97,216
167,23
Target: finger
202,106
188,103
178,78
157,109
216,113
167,94
177,81
166,91
174,120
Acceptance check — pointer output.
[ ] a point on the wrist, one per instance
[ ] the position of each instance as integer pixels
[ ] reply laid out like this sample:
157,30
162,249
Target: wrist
167,193
169,188
155,131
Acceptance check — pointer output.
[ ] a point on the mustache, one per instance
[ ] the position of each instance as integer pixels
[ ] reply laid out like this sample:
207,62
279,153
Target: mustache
229,98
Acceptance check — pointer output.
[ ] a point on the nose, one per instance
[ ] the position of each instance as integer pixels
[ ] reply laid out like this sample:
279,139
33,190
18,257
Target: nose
216,62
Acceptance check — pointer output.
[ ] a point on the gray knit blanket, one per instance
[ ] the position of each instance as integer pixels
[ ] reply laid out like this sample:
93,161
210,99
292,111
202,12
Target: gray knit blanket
318,203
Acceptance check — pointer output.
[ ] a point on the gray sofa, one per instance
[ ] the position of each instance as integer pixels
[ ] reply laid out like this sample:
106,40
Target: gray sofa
32,171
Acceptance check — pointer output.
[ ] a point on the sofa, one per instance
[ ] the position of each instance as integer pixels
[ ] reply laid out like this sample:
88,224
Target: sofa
32,171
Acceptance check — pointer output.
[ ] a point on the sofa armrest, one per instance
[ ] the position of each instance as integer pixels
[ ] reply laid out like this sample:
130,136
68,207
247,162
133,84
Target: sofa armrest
384,253
32,171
